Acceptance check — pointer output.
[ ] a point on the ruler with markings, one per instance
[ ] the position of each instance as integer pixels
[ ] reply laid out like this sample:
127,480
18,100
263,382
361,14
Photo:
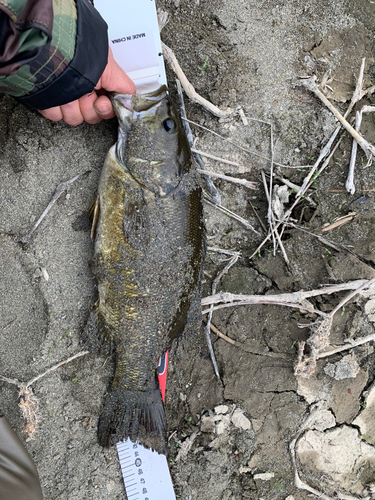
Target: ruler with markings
145,472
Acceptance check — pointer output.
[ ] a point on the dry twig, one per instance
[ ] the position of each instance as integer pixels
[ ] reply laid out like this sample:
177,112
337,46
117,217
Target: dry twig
340,222
319,340
28,403
358,120
221,160
231,214
216,281
231,299
367,147
210,185
189,89
235,180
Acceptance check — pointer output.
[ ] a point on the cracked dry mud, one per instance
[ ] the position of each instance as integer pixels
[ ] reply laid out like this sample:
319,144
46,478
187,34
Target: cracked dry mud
230,438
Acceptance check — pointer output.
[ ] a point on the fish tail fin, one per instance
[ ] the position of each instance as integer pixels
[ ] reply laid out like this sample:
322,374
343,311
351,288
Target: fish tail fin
137,415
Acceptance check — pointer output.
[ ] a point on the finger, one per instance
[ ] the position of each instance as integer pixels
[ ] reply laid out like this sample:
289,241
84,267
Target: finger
72,113
53,114
86,105
114,78
103,107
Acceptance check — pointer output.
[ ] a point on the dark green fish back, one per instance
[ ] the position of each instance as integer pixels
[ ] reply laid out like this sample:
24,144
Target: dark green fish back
149,252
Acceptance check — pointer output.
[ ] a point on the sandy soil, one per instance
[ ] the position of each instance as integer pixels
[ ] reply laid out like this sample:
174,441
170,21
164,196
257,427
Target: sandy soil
235,52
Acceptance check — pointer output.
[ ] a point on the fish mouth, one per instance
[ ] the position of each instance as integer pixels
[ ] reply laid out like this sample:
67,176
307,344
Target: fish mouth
125,105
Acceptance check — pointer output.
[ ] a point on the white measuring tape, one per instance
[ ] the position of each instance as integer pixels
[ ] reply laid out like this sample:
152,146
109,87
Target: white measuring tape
145,473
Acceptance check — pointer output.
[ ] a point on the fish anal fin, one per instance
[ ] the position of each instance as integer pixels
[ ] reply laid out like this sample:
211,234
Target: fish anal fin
92,337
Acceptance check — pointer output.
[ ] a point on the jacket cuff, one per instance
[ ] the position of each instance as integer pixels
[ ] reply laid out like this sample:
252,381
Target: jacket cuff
85,69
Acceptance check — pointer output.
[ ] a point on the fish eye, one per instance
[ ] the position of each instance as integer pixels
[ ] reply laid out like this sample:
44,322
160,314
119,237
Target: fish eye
169,125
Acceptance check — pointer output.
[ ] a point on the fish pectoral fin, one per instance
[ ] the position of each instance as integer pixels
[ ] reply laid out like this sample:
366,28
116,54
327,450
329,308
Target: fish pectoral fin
136,223
94,211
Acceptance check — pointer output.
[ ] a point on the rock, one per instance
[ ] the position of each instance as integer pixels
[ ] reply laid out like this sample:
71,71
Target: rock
323,420
244,470
257,423
370,310
239,420
338,453
223,425
342,396
221,409
207,424
347,367
266,476
366,419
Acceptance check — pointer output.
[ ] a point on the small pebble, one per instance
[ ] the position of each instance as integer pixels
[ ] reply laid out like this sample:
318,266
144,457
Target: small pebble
240,421
221,409
266,476
207,424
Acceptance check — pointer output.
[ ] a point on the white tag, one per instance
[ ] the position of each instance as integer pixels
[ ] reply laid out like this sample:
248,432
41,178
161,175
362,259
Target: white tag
145,472
134,38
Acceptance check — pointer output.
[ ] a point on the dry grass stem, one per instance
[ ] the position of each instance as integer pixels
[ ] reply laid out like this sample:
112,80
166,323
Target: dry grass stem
263,300
272,221
28,403
367,284
329,243
229,213
216,198
305,186
319,339
357,94
223,250
326,151
262,157
59,191
53,368
221,160
257,216
234,180
188,87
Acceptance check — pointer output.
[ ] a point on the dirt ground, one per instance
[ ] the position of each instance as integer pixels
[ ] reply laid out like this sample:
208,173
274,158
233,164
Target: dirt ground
229,437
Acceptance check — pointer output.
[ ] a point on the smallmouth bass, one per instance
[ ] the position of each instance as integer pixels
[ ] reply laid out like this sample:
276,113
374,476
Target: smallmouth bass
148,259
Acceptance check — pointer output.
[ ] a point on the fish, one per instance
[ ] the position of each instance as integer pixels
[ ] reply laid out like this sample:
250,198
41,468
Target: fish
148,258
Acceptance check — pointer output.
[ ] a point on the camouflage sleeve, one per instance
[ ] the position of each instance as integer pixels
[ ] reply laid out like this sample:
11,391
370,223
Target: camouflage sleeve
51,51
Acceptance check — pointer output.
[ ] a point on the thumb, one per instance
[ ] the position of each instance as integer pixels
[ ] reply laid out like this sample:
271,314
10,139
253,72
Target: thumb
114,78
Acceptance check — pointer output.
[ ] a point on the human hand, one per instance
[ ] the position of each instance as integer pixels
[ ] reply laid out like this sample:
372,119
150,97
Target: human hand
92,108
